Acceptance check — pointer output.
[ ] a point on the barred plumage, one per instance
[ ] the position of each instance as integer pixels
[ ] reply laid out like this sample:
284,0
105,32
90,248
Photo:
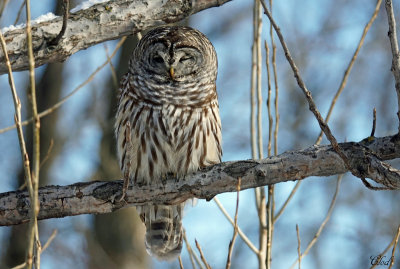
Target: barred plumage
168,122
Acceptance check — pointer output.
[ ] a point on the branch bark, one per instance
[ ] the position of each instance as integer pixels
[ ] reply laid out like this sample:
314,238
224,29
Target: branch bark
99,197
94,25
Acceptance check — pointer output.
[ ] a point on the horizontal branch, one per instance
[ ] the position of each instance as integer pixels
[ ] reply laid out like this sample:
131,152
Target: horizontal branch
102,196
94,25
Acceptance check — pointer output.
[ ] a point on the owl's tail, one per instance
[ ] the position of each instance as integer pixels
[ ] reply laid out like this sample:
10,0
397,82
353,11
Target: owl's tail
163,230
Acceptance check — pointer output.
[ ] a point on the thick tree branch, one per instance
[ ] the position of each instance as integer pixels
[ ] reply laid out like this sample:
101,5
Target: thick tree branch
99,23
101,197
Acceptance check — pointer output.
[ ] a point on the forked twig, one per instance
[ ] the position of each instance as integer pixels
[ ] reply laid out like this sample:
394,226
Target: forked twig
322,226
240,232
46,245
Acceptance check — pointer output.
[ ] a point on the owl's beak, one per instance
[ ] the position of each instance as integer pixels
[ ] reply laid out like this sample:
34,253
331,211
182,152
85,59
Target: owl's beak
171,72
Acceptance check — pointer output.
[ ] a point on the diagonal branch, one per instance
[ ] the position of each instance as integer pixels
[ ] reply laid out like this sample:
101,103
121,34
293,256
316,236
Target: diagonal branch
94,25
101,197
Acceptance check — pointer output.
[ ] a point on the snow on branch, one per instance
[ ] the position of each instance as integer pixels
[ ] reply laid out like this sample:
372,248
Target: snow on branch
98,197
92,25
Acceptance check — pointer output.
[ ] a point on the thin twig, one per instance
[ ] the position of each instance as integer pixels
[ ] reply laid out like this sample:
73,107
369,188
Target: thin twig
180,262
63,100
280,211
240,232
350,65
270,207
381,255
322,226
259,79
203,259
235,227
46,157
395,51
298,245
276,87
52,236
373,123
193,256
394,247
112,68
55,41
270,120
2,7
33,234
19,12
127,163
270,225
253,85
256,83
17,119
24,154
20,266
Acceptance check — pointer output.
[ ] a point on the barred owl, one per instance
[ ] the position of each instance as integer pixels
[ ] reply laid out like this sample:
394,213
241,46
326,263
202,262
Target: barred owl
168,123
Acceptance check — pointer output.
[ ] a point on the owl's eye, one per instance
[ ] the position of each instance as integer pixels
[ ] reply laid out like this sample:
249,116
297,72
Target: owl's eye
158,59
186,58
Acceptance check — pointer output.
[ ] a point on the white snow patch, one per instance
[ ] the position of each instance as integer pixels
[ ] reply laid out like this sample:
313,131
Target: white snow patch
45,17
87,4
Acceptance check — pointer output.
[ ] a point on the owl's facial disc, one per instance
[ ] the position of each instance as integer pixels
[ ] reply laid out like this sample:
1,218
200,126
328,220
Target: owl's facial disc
174,63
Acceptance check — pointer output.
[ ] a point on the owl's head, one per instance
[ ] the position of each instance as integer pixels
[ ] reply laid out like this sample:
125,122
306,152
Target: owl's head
174,54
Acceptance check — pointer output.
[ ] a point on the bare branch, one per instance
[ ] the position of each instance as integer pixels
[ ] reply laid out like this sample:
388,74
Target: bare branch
350,65
99,197
99,23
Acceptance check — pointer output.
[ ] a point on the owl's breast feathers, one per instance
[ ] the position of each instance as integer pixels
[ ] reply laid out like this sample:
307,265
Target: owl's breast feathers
166,137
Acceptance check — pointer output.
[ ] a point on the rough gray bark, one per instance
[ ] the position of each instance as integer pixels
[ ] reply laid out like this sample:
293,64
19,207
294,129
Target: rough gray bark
99,23
102,197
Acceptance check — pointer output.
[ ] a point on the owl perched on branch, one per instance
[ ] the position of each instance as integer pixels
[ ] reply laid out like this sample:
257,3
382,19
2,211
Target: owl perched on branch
168,123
